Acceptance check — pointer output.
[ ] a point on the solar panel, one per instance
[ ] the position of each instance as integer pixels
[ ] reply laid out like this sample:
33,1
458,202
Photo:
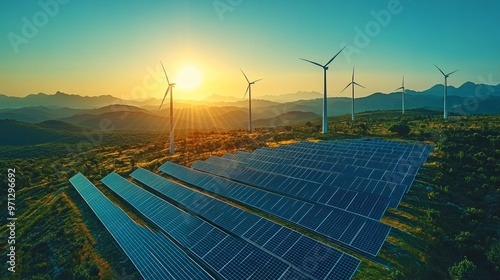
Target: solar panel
316,218
366,204
153,254
257,230
314,162
231,257
400,161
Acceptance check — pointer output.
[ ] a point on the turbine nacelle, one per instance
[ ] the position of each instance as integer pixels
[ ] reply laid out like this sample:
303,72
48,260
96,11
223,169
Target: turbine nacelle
402,85
445,75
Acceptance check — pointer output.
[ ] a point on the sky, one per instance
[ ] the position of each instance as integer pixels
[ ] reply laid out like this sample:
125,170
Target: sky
115,47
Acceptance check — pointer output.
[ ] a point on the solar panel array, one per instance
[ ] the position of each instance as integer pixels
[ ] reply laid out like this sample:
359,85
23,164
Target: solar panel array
268,176
354,231
382,168
231,257
290,246
337,190
152,253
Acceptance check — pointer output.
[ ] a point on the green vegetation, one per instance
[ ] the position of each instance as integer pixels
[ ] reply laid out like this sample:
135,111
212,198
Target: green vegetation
446,227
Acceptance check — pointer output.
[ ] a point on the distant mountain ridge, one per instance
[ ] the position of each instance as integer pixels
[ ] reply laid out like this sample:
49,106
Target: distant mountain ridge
467,99
290,97
63,100
59,99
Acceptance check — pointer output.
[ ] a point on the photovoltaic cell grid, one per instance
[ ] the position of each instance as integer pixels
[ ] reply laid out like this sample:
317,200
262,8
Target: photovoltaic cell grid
153,254
390,156
363,172
352,230
328,181
231,257
307,255
302,184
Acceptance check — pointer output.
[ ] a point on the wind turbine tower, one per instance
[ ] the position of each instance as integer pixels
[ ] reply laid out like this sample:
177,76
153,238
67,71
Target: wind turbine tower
445,109
325,67
169,88
249,91
403,96
352,83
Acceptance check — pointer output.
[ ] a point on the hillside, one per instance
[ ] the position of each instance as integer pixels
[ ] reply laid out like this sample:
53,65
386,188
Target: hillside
450,212
19,133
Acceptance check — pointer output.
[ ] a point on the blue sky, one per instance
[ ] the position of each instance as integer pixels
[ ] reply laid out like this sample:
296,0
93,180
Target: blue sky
114,47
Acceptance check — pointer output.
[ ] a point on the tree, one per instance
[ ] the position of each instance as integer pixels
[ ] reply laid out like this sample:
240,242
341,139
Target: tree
493,255
463,270
402,129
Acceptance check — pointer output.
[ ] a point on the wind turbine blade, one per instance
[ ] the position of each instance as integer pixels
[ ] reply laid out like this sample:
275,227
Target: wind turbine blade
353,74
403,81
359,85
163,100
165,73
346,87
245,75
440,70
335,56
248,87
315,63
400,88
257,80
451,73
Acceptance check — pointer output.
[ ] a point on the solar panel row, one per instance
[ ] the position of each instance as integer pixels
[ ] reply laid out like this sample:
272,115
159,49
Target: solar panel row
358,232
307,184
400,163
359,151
359,179
367,167
285,243
153,254
231,257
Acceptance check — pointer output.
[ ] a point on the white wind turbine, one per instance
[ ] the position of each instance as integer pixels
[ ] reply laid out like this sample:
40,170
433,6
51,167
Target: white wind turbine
169,88
353,83
445,109
249,91
325,67
403,96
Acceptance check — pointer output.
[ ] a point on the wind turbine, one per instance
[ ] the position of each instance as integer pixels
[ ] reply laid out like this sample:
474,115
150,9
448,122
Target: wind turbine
445,114
403,96
249,91
325,67
353,83
169,88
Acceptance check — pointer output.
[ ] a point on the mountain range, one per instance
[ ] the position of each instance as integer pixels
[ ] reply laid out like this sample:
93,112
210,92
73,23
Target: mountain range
92,112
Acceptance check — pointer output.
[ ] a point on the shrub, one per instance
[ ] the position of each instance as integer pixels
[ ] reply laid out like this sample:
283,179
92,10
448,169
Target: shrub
463,270
402,129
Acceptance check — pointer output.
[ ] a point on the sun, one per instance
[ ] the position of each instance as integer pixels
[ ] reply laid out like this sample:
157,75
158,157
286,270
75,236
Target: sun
188,78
